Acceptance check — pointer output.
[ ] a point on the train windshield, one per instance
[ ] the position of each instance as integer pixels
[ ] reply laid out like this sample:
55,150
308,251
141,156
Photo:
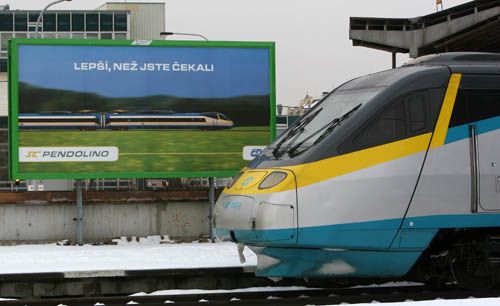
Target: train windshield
222,116
324,115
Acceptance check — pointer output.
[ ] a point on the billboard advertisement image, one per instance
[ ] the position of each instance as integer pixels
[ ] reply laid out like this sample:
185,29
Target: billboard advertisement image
97,109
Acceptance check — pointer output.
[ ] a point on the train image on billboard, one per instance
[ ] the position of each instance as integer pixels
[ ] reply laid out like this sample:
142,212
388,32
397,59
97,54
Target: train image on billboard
125,121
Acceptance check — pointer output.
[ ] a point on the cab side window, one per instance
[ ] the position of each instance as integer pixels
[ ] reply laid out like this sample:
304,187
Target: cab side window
407,117
417,114
478,99
390,126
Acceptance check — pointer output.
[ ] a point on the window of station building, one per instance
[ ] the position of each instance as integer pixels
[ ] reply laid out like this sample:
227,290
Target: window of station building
92,36
48,35
120,35
63,35
106,22
3,65
77,22
49,22
5,41
120,22
21,22
91,22
32,18
106,35
6,22
63,23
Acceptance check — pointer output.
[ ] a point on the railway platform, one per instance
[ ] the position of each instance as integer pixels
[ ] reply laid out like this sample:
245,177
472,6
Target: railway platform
146,265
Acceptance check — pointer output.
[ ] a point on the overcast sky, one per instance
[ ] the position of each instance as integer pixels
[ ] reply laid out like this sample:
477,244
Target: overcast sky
313,50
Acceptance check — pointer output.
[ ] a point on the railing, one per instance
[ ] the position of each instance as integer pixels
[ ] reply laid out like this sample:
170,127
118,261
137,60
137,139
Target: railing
128,184
404,24
12,186
111,184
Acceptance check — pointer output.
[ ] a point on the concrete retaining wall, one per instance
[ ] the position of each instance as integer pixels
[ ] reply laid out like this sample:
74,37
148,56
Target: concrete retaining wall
184,220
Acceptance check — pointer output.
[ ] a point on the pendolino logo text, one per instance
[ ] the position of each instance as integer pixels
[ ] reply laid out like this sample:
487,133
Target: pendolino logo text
67,154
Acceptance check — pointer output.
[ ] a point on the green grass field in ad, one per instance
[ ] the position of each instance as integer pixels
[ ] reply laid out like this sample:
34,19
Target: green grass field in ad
149,150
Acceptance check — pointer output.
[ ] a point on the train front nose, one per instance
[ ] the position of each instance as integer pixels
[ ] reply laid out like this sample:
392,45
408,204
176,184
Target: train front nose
259,208
233,218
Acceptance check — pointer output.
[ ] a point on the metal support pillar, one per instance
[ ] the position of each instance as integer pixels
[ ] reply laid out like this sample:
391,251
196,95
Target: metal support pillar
211,200
79,212
393,60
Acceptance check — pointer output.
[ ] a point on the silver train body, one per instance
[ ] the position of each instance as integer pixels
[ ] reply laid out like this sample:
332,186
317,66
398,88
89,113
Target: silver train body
392,175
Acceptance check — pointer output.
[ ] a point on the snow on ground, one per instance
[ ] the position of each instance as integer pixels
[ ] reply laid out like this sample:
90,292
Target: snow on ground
438,302
201,291
471,301
144,255
148,253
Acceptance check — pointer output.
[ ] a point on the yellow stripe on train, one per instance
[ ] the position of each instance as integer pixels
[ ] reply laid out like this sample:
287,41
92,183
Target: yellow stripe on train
322,170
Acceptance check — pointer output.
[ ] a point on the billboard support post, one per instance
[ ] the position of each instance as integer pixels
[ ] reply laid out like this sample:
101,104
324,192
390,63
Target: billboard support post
211,199
79,212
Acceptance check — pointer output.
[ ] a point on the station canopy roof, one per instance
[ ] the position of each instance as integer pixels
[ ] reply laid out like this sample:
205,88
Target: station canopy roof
473,26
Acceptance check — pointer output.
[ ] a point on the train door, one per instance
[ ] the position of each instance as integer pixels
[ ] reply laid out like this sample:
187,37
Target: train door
479,99
217,119
488,155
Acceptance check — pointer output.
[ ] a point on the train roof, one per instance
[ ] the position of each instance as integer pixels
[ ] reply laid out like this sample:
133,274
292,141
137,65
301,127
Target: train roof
423,71
461,62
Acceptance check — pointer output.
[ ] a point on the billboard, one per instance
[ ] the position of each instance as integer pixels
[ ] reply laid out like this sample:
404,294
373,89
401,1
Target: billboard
108,109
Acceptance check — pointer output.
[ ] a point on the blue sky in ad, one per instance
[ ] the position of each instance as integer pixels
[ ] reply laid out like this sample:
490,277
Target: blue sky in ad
143,71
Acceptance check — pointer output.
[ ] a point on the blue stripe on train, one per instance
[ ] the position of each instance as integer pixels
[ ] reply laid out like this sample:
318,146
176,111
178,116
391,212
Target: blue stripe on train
462,131
294,262
416,233
350,250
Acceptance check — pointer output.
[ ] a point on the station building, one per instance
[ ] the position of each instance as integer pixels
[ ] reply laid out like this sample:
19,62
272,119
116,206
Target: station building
112,20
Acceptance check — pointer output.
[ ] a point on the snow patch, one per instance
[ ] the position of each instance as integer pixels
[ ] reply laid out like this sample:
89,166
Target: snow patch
275,279
390,284
264,262
441,302
113,259
202,291
336,267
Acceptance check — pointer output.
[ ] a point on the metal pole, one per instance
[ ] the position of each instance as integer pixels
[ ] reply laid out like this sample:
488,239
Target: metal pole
43,11
393,60
211,199
184,34
79,212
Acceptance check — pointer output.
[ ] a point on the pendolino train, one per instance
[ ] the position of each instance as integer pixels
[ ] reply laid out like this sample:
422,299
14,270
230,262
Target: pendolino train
392,175
125,121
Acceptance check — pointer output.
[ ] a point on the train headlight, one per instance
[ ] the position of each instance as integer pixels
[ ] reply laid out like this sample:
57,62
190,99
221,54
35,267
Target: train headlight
234,180
272,179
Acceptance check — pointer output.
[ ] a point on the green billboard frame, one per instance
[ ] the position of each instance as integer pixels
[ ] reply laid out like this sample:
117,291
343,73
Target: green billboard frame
13,93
